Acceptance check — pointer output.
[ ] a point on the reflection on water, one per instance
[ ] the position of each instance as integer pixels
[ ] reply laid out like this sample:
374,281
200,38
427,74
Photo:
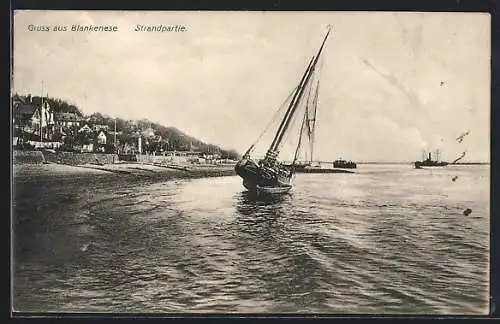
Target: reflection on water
385,240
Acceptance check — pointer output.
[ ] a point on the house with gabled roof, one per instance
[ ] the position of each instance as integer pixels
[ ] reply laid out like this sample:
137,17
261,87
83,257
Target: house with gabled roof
102,138
32,118
85,129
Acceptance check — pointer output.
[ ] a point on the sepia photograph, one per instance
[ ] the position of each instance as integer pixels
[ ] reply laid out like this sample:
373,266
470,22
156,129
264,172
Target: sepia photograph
234,162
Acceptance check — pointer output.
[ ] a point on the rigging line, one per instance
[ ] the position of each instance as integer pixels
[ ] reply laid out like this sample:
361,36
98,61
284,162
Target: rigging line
309,107
295,103
315,100
289,122
312,124
300,139
299,104
313,130
287,132
312,120
283,105
282,127
303,104
308,102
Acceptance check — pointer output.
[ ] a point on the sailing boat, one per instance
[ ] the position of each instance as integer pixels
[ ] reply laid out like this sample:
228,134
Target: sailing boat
269,175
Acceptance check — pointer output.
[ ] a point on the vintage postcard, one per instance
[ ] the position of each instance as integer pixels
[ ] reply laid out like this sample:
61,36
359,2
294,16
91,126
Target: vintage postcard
251,162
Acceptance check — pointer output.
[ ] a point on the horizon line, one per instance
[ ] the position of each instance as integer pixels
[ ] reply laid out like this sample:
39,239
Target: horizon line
407,162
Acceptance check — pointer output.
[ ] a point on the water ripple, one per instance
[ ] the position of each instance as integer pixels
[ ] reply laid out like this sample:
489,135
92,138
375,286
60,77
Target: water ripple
381,241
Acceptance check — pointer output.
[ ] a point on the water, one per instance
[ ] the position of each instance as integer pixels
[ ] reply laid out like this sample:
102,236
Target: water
388,240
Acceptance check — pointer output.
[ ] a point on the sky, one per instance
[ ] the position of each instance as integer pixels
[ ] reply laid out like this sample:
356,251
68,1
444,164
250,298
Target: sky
392,84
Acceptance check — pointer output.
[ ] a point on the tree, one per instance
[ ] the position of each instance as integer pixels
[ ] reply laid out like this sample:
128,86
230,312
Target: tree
172,138
110,148
62,106
84,138
230,154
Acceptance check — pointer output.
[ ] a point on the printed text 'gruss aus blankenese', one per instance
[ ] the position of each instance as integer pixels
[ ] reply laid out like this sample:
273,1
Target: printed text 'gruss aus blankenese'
73,28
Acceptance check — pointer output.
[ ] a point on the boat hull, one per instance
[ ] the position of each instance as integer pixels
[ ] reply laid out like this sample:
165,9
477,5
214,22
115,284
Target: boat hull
342,164
423,165
261,179
279,190
299,166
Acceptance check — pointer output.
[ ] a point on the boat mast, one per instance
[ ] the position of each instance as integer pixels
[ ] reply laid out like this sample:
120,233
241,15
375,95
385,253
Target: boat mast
305,122
302,127
274,144
294,104
312,121
306,128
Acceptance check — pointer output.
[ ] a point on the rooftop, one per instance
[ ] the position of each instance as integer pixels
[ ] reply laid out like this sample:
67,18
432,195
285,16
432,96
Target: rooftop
24,108
67,116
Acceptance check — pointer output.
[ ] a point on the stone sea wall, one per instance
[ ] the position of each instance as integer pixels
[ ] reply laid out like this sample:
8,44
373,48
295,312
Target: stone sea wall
28,157
71,158
127,157
160,159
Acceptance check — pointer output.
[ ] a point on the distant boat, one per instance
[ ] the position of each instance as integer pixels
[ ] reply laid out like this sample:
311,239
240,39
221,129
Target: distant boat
269,175
429,162
300,165
343,164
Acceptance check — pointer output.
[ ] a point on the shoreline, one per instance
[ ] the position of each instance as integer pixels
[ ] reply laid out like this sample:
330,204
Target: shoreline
57,172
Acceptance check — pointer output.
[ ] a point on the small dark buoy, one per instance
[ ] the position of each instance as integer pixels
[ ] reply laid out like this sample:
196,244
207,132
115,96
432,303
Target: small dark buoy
467,212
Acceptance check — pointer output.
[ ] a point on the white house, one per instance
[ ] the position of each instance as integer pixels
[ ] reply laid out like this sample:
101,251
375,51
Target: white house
101,138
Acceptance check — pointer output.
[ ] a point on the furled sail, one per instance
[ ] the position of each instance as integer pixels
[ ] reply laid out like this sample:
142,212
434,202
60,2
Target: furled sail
274,148
307,129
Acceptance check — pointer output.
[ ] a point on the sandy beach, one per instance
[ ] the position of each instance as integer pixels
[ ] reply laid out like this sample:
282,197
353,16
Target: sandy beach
37,172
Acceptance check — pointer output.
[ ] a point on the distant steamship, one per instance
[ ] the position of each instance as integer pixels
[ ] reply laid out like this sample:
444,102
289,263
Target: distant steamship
429,162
